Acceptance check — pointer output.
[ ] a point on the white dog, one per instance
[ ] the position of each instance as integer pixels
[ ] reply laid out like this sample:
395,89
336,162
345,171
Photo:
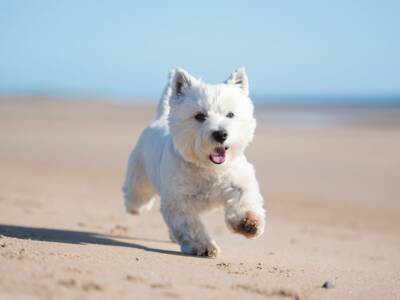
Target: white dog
192,156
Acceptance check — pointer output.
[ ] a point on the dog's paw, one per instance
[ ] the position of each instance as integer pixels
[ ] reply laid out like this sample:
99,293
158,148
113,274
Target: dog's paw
136,209
210,250
250,225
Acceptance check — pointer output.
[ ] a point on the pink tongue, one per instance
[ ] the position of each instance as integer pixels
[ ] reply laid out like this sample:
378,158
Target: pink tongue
218,155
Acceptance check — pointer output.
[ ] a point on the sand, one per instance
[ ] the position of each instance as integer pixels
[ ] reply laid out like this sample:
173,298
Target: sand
332,193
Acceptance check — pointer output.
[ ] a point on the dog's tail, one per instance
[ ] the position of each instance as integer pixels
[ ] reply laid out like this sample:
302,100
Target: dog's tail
163,105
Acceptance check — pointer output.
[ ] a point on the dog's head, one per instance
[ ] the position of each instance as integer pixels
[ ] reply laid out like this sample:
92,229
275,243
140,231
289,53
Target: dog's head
211,125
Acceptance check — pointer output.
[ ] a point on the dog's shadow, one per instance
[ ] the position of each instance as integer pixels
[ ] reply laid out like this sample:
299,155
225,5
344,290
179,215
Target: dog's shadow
75,237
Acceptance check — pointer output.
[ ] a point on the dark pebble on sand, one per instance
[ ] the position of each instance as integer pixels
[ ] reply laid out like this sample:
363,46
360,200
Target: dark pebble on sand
327,285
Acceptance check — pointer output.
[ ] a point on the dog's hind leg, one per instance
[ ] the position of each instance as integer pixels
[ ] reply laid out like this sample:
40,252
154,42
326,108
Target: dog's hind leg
139,195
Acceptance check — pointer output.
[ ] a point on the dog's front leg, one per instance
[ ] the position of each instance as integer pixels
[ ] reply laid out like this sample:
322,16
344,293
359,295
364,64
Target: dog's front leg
187,229
244,211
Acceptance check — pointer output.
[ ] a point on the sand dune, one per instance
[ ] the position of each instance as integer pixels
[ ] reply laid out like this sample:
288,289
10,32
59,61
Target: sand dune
333,196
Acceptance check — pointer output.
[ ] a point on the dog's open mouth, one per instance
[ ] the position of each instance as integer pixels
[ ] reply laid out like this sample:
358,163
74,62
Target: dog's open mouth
218,155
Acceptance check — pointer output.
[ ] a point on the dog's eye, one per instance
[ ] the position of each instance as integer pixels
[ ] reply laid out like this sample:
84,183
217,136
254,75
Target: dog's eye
200,117
230,115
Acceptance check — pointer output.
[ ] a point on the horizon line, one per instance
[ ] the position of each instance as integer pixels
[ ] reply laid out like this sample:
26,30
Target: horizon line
361,99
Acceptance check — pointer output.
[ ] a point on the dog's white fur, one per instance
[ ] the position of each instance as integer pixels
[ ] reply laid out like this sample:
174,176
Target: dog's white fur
172,159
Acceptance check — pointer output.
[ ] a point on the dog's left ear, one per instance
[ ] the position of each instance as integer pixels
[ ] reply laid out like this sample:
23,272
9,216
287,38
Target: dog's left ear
239,78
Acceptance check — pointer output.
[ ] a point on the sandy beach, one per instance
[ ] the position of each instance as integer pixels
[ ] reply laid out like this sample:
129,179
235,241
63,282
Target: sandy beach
332,194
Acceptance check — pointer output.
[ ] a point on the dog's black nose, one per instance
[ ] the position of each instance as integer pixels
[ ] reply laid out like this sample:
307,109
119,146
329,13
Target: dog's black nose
220,135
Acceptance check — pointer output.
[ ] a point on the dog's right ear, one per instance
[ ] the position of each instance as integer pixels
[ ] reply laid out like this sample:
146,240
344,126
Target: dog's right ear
180,81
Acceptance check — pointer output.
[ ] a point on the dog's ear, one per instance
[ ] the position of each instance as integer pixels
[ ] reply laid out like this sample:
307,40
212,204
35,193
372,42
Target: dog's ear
239,78
180,81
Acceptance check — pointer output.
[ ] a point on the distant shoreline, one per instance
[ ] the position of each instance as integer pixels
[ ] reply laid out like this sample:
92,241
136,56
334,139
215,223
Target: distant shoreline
322,101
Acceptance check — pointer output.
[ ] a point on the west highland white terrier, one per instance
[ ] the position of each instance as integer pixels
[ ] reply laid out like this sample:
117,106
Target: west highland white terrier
192,157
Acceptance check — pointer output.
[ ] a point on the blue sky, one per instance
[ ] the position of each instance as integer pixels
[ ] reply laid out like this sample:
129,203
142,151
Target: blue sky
126,48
